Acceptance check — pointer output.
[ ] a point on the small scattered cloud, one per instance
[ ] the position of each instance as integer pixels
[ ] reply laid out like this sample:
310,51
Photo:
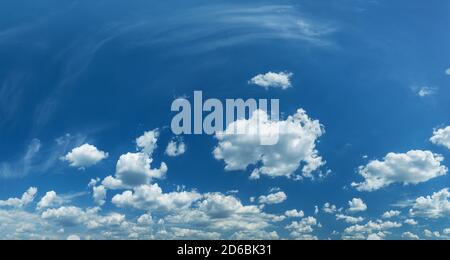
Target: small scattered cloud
73,238
329,208
391,214
356,205
147,143
425,91
411,222
176,148
294,213
274,198
349,219
410,236
280,80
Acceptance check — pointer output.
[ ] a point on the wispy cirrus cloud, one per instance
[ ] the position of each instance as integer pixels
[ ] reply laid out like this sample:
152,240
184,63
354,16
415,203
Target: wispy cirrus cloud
208,28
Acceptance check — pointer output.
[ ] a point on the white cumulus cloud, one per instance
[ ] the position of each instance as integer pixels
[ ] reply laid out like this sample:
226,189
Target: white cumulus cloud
26,199
134,169
296,146
434,206
413,167
51,199
441,137
99,195
356,205
148,141
84,156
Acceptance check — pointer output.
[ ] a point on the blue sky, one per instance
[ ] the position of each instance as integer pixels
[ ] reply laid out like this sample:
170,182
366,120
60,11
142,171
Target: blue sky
97,76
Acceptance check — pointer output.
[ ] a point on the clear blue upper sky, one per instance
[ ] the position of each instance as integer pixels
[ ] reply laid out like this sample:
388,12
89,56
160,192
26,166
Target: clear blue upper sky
105,72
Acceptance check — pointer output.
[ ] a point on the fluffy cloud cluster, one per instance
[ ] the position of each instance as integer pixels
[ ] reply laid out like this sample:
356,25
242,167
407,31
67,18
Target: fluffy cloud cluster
413,167
67,216
432,235
183,214
205,216
222,213
442,137
434,206
84,156
26,199
273,80
20,224
51,221
349,219
297,138
187,214
90,218
356,205
151,197
303,229
373,230
410,236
